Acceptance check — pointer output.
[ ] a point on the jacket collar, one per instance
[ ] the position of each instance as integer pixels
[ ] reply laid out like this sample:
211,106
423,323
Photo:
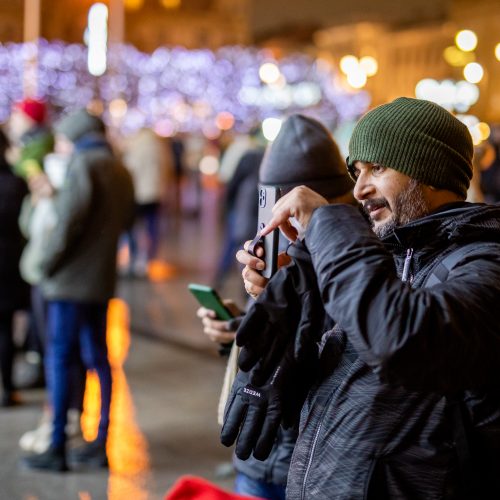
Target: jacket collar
452,222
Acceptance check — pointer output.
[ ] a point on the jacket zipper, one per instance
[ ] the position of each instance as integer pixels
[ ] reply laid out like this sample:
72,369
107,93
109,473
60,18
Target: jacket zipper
405,277
313,448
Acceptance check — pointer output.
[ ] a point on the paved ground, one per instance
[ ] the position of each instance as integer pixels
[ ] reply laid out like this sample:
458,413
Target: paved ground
166,378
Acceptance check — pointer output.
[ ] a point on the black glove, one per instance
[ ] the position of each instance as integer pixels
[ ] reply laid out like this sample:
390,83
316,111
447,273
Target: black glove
254,413
289,308
279,337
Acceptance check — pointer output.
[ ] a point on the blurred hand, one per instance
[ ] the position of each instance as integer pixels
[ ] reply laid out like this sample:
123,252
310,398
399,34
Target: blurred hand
40,186
299,203
218,330
252,279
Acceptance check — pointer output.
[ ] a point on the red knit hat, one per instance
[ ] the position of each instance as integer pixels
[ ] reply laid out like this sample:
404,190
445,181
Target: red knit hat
33,108
197,488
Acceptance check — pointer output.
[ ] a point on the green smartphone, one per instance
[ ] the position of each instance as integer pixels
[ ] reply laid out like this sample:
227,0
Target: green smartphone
210,299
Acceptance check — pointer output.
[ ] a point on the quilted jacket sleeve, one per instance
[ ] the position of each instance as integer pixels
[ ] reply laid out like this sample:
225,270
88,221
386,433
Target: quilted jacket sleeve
445,338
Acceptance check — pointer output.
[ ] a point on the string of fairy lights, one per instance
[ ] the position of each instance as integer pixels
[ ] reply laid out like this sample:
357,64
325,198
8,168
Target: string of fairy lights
179,90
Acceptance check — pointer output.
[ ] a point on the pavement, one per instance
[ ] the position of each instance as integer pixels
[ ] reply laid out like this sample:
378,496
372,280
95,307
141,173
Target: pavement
166,382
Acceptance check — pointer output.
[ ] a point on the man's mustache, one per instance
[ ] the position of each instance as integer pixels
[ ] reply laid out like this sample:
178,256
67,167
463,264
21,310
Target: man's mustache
374,204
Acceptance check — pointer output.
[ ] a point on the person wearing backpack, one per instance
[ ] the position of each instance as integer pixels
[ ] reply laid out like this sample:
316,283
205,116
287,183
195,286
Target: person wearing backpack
408,401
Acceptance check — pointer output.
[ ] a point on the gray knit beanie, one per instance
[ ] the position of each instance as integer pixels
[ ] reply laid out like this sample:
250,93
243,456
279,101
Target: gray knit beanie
304,153
417,138
79,123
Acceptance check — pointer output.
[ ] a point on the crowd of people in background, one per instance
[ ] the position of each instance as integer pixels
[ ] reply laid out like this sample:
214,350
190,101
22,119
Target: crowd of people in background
69,198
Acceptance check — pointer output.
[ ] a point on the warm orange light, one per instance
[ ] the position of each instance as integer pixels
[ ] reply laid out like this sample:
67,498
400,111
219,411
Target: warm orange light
160,271
224,120
133,4
170,4
127,448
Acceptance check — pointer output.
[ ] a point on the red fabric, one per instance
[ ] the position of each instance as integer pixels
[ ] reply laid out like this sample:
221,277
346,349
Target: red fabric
36,110
197,488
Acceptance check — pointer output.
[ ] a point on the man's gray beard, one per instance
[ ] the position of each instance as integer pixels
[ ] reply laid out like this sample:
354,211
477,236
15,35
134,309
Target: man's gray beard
409,205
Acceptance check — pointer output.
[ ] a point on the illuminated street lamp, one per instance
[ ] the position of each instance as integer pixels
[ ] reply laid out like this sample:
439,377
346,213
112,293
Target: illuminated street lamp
97,39
497,51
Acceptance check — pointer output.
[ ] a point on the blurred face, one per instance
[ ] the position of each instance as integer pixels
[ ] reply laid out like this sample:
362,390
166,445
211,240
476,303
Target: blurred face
19,124
389,198
63,146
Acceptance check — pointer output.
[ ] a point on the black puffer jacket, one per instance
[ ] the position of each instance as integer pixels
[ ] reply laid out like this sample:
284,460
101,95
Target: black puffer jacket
377,426
14,292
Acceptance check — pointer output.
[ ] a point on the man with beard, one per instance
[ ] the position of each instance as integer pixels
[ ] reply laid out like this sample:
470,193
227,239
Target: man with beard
408,405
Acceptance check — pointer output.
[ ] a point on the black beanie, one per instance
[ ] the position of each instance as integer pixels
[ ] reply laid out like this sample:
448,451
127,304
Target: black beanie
417,138
79,123
304,153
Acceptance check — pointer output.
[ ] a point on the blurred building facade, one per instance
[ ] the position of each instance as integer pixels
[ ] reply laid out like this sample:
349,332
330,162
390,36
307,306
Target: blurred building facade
147,24
408,43
408,54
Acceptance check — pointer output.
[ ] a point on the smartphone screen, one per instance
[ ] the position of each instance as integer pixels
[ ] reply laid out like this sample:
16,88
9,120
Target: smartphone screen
209,298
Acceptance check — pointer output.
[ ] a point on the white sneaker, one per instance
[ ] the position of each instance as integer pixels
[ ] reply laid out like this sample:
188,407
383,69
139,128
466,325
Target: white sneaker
38,440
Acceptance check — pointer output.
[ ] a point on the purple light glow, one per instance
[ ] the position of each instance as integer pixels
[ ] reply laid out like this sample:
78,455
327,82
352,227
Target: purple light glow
182,89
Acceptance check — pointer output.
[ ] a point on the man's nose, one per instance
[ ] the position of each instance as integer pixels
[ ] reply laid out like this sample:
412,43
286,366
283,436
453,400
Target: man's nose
363,188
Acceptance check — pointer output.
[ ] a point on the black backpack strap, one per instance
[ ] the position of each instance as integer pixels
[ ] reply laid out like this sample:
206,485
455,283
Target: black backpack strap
441,270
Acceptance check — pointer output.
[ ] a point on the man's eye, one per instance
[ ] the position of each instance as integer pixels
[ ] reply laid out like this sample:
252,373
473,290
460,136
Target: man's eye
356,173
378,169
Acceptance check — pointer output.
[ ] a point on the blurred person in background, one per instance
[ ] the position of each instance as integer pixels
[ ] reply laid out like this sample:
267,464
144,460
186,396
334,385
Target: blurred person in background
240,210
150,162
490,174
94,206
31,140
38,221
30,135
14,292
304,152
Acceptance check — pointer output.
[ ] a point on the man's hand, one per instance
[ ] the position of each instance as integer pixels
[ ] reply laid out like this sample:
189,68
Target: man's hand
217,330
299,203
252,279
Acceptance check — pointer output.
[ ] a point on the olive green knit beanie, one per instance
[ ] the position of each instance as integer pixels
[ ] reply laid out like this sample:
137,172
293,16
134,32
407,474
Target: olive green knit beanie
417,138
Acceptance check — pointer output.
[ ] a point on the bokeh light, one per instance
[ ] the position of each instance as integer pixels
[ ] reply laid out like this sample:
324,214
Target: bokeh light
457,58
357,78
224,120
271,128
269,73
209,165
369,65
473,72
466,40
349,64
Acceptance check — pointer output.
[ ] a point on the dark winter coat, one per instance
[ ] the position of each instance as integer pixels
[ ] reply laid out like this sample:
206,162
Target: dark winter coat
242,194
378,425
14,291
94,206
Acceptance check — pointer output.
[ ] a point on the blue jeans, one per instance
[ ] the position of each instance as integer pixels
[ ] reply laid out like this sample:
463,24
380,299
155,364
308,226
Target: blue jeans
73,327
245,485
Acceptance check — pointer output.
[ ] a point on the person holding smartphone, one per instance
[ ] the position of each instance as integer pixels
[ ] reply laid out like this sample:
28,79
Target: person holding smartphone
304,152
